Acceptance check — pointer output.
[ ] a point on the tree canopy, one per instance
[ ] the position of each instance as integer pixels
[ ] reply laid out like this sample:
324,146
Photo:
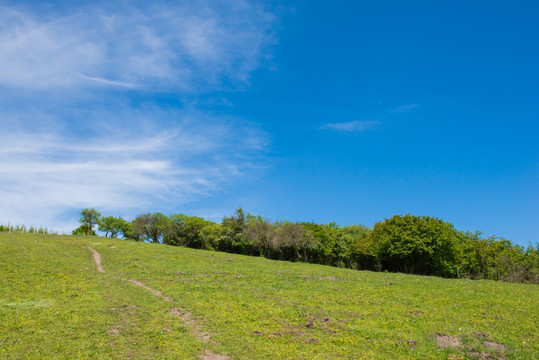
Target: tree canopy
415,245
412,244
89,218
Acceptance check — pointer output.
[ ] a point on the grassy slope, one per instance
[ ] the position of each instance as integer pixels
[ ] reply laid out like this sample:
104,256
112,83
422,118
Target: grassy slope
53,303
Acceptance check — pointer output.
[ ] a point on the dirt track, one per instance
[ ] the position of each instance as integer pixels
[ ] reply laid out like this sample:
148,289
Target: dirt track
188,320
97,259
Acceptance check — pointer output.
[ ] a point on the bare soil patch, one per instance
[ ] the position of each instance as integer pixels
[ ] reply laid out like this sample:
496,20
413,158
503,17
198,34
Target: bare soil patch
302,331
124,307
483,356
211,356
188,320
494,345
175,312
330,278
446,341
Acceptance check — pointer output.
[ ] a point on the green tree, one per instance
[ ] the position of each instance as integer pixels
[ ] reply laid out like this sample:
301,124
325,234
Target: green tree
89,218
126,229
364,255
291,242
496,259
472,255
416,245
331,244
233,238
113,226
360,250
191,231
176,236
84,230
211,235
151,227
261,234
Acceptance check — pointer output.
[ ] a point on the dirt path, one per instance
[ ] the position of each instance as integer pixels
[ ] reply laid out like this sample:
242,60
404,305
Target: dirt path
153,291
97,259
185,316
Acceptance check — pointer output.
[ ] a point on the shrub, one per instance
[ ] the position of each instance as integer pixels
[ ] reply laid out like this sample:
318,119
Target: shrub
415,245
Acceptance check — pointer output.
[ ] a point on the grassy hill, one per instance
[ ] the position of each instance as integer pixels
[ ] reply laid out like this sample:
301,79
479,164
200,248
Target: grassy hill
163,302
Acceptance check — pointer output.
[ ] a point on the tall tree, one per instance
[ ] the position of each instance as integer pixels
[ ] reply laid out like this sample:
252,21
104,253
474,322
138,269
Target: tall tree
233,238
192,231
89,218
261,234
112,226
151,226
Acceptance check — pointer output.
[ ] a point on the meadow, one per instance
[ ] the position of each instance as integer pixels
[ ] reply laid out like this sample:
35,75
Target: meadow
197,304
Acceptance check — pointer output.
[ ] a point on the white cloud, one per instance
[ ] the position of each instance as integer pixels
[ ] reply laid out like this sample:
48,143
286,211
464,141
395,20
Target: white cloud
180,46
46,174
360,126
72,136
352,126
107,82
404,108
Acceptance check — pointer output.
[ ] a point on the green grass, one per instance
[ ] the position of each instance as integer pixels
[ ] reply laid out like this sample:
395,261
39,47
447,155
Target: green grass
54,304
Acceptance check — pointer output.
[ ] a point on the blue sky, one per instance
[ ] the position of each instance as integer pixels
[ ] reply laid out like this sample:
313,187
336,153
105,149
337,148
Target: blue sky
301,110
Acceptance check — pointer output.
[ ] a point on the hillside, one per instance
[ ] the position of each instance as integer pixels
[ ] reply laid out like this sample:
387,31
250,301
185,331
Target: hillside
157,301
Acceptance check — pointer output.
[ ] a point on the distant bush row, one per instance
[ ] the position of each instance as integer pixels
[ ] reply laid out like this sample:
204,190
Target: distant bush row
404,243
22,229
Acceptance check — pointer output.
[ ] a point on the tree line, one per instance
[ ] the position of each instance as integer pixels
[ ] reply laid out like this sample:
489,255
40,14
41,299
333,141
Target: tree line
410,244
22,229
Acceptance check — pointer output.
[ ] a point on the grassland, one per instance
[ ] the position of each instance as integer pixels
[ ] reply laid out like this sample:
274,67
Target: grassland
54,304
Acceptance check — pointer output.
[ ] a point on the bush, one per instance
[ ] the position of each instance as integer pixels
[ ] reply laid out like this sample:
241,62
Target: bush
416,245
84,230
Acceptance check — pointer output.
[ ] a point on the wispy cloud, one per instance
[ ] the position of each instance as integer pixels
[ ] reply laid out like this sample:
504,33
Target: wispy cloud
107,82
44,174
360,126
179,46
352,126
404,108
80,125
